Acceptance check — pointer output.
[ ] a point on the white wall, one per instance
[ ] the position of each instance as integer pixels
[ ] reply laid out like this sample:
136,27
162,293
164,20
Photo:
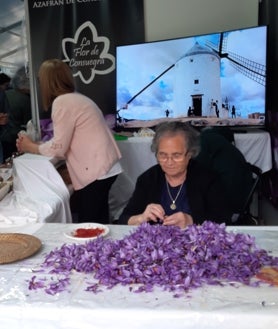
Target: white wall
165,19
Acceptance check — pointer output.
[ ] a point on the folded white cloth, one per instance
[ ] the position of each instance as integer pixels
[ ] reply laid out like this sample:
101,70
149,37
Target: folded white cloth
39,193
13,212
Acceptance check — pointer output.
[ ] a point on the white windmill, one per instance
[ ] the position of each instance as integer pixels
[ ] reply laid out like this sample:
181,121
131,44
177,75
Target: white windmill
197,82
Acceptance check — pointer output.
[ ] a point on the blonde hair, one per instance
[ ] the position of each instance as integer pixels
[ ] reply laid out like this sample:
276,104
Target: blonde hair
55,78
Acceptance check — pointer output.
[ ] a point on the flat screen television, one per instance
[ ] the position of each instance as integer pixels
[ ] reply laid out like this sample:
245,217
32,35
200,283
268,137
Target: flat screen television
210,80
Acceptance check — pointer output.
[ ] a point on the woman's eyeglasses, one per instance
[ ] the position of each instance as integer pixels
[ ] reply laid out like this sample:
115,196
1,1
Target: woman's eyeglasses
176,157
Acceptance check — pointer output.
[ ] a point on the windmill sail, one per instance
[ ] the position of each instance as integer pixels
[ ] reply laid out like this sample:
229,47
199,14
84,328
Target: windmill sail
249,68
253,70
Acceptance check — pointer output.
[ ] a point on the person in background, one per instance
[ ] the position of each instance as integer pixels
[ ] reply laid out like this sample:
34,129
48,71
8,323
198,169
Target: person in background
178,190
4,84
18,97
82,137
220,154
4,81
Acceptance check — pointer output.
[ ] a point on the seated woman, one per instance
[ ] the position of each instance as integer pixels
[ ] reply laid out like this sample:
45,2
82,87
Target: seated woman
178,190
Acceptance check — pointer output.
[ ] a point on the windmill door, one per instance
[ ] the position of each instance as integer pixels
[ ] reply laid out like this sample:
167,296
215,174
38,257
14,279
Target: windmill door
197,105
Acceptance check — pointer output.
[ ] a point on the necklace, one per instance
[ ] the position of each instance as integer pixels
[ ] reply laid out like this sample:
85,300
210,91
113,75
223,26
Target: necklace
173,204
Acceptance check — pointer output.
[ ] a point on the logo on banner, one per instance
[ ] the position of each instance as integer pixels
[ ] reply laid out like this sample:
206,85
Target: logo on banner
88,54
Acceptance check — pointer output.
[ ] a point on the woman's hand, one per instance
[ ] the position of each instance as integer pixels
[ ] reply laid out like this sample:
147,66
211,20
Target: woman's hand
25,144
180,219
153,212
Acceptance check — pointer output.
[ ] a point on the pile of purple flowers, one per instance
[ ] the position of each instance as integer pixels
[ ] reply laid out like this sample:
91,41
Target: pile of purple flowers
159,256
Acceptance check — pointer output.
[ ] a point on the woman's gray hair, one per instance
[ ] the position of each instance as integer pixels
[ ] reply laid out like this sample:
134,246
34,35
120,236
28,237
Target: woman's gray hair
172,128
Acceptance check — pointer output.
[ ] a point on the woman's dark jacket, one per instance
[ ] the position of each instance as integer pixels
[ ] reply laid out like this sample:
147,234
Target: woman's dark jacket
205,194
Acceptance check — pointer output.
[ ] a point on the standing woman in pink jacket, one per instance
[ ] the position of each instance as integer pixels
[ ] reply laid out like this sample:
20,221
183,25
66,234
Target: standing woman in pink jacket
81,137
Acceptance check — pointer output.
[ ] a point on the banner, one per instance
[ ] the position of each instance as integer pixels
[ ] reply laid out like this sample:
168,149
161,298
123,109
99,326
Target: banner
84,34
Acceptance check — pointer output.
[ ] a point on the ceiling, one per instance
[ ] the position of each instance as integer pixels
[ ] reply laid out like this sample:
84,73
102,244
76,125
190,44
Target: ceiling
13,41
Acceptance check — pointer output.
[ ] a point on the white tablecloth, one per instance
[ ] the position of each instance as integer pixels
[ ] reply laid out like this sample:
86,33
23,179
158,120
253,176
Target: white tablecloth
39,193
209,307
256,148
137,157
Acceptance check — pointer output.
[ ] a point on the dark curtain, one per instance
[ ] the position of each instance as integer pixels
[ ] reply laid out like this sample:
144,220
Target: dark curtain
268,13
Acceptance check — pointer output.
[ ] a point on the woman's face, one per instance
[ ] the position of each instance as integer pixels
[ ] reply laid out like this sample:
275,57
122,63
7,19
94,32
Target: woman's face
172,155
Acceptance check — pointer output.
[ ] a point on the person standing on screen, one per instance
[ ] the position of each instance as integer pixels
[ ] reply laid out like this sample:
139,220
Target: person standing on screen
81,137
190,112
233,112
216,108
178,190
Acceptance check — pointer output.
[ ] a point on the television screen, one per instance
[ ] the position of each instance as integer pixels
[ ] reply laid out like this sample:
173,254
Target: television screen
212,79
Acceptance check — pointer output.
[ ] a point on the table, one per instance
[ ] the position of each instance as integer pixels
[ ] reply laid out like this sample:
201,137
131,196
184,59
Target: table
256,147
39,193
137,157
207,307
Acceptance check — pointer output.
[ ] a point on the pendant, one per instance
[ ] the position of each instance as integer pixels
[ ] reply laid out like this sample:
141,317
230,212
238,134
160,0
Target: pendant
173,206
